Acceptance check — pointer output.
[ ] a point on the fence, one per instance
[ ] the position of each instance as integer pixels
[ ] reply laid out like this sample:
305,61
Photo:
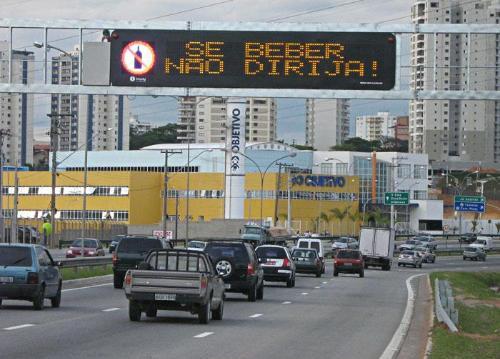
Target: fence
445,305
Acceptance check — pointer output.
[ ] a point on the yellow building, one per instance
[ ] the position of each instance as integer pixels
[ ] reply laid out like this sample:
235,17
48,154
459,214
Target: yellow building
135,198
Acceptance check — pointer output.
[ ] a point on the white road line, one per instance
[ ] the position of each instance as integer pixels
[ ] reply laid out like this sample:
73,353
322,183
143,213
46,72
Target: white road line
110,309
19,326
87,287
304,293
317,287
203,335
324,282
255,315
286,303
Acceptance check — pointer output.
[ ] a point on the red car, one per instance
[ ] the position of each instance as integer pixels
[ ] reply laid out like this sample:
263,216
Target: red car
91,248
348,261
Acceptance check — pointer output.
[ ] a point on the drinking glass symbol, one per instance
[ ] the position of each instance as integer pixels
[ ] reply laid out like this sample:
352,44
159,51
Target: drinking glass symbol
137,58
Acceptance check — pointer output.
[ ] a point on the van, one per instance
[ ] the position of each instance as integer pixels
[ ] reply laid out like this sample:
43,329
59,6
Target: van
485,242
313,243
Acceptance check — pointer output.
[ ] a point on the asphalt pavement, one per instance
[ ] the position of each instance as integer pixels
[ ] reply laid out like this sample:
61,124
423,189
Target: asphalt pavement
344,317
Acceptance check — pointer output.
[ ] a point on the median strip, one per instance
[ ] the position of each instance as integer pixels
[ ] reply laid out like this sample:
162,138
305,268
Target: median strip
19,327
203,335
255,315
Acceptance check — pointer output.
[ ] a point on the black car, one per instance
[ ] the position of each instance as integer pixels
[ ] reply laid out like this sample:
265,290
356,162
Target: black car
307,261
467,238
131,251
277,264
237,264
114,242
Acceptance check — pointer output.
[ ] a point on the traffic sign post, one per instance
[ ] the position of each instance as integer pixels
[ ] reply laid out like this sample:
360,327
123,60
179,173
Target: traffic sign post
397,198
470,204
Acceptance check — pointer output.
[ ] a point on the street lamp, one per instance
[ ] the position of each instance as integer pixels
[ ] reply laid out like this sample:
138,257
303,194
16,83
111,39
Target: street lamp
262,176
40,45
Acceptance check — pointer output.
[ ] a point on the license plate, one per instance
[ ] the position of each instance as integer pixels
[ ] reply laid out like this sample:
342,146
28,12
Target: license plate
227,286
169,297
6,279
348,264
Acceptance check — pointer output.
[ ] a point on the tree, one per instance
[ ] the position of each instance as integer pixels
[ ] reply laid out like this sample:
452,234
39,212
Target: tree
163,134
303,147
380,218
340,215
325,218
354,217
498,227
384,144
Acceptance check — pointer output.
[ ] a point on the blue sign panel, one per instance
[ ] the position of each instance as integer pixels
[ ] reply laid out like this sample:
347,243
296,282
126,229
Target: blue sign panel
469,206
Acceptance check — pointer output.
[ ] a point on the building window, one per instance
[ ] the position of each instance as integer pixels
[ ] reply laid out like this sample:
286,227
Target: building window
420,171
404,170
422,195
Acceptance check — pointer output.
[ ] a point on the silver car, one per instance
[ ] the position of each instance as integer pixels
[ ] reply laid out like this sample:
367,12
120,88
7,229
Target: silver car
409,245
474,254
411,258
345,243
427,255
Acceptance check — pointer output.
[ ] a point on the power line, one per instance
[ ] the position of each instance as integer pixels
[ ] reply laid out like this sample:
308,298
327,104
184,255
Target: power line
307,12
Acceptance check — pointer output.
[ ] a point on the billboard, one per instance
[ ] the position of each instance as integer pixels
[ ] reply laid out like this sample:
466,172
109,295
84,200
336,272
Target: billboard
253,59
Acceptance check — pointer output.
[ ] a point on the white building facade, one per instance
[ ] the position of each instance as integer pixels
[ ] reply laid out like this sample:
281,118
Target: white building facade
102,119
327,123
372,128
455,130
16,110
139,127
203,120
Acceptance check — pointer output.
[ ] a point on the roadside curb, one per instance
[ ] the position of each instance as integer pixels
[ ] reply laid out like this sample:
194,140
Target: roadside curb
397,339
86,281
428,347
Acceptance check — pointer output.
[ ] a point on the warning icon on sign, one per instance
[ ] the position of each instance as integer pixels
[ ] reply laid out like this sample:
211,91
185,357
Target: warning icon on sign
138,58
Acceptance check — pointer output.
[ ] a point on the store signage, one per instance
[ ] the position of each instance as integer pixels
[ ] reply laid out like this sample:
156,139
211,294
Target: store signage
319,181
254,59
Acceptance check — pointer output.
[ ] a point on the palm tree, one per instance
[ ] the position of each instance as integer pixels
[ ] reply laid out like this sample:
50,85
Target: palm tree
354,217
340,215
325,218
379,217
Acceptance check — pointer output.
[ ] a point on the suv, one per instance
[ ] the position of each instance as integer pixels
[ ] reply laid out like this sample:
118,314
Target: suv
131,251
237,264
348,261
277,264
28,272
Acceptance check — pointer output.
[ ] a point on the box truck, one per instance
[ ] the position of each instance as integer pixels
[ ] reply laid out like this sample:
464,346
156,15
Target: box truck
377,246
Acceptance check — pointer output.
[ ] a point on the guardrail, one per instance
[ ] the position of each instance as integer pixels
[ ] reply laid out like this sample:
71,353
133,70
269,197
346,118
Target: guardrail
85,262
445,305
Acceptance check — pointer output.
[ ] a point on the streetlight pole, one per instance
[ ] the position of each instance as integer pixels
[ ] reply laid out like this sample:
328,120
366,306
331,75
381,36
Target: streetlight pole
3,133
165,190
278,186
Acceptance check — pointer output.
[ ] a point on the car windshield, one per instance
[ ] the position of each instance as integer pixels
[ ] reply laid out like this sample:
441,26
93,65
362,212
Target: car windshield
471,249
348,254
423,239
303,244
138,245
411,241
87,243
270,252
315,245
230,251
304,254
252,230
421,249
15,256
408,253
481,241
194,244
341,240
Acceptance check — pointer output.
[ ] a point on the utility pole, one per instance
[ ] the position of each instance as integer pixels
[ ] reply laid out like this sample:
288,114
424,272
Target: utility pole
3,133
187,192
276,197
165,190
13,221
286,166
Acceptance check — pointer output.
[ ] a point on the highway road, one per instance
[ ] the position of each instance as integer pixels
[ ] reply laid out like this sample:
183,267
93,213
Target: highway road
344,317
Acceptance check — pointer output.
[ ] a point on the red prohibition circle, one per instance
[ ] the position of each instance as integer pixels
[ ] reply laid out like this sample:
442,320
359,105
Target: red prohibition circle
128,49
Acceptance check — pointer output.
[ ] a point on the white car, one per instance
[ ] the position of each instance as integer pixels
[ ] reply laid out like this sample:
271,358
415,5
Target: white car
196,245
345,243
486,243
409,245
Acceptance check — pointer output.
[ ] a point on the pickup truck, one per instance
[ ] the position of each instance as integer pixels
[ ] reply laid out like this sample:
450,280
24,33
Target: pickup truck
175,279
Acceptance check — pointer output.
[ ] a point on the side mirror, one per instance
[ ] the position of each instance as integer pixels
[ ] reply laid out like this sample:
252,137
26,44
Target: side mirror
259,260
58,264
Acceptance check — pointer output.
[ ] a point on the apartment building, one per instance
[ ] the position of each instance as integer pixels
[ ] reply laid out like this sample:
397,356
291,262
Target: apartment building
327,123
16,110
373,128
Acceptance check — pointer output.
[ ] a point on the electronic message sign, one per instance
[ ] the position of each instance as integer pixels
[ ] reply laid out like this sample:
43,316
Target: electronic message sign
253,59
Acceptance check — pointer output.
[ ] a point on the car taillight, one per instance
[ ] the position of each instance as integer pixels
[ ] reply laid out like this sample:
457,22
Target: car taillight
115,258
250,269
286,263
204,283
32,278
128,279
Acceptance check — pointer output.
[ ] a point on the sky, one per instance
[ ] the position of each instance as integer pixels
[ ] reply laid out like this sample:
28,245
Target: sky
291,112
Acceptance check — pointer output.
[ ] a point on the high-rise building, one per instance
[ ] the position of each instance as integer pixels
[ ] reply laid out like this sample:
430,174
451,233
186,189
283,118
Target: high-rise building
16,110
203,120
139,127
327,123
455,130
373,128
102,119
401,128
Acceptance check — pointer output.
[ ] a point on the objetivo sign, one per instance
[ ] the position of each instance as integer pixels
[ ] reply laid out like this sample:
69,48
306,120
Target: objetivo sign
253,59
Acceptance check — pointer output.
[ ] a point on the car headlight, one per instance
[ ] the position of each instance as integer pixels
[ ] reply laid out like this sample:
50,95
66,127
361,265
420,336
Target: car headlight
91,253
69,251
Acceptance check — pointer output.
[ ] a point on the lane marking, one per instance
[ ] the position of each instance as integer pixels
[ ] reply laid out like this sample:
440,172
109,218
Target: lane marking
87,287
324,282
203,335
255,315
318,287
110,309
304,293
19,326
286,302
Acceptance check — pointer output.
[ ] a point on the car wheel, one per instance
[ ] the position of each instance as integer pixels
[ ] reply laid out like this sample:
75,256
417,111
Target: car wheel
152,311
420,265
399,264
289,283
335,273
0,302
465,258
134,311
39,300
204,313
318,274
366,266
361,274
219,312
260,292
117,281
252,293
56,301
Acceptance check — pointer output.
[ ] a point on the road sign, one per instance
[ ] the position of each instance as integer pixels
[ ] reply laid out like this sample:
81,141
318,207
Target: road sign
470,204
253,59
397,198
